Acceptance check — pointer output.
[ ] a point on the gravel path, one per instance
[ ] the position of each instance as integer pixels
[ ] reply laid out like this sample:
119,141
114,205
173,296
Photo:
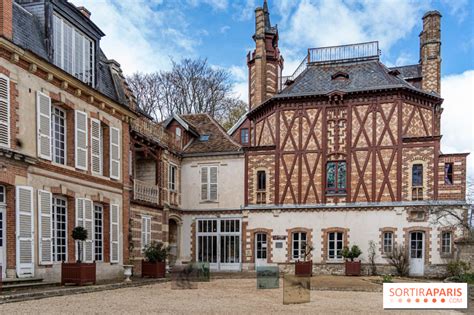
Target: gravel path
226,296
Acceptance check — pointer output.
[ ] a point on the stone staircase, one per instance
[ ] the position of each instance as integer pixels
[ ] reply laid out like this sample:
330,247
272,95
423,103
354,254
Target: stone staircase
17,284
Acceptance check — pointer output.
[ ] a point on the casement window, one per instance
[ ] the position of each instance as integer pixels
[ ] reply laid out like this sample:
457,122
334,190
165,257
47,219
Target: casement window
45,224
172,172
73,50
58,128
3,196
25,255
387,242
81,143
178,134
99,232
96,147
335,245
115,153
261,187
446,243
244,136
59,229
114,233
43,125
417,181
146,231
4,111
209,183
336,177
448,173
85,218
298,246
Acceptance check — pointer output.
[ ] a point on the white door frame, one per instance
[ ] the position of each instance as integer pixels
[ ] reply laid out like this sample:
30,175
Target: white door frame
3,250
417,254
261,261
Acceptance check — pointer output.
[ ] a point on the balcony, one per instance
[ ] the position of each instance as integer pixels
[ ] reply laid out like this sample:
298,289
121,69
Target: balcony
146,192
154,132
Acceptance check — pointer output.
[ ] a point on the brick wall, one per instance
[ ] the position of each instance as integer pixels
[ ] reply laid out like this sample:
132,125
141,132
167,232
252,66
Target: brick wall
6,17
457,189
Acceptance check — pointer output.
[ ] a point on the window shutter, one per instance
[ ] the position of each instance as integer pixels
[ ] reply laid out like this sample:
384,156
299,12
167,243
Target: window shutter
89,226
204,183
24,232
96,146
143,232
43,114
4,111
213,183
114,233
45,225
78,56
81,139
114,153
148,230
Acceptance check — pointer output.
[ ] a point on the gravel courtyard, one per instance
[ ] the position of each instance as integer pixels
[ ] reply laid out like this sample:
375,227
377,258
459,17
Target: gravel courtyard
222,296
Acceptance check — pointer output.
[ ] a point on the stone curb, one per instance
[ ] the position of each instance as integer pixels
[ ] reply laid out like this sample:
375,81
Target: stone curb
354,289
20,297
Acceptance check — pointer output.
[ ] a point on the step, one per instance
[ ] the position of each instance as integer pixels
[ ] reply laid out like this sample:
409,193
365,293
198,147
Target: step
9,281
28,286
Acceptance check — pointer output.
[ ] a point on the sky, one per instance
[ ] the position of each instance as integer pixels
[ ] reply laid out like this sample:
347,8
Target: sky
143,35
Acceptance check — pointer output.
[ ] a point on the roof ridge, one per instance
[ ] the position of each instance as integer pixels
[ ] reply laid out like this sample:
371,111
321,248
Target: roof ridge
223,131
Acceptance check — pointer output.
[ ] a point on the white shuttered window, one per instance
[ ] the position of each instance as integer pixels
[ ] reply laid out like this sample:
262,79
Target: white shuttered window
114,233
43,124
96,146
146,231
81,140
45,224
4,111
115,153
209,183
24,229
85,218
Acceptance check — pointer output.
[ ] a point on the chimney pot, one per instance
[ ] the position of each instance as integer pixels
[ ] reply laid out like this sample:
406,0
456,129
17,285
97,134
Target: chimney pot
85,12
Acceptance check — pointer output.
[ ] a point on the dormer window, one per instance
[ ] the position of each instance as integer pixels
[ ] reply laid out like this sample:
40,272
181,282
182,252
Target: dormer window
73,51
340,76
204,138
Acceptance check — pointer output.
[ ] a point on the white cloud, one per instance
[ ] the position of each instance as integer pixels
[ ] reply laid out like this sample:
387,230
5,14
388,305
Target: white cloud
215,4
457,8
458,115
224,29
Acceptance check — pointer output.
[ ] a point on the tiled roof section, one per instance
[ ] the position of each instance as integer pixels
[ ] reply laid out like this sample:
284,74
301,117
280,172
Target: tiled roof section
409,72
27,31
363,75
218,140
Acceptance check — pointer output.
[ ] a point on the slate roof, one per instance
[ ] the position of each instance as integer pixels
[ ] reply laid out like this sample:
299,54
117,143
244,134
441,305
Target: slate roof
363,75
28,34
219,141
409,72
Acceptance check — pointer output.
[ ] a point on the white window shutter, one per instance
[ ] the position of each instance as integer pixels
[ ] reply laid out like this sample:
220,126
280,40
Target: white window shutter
213,183
81,139
114,233
143,232
43,124
114,153
45,224
24,232
204,183
96,147
4,111
79,222
89,226
148,230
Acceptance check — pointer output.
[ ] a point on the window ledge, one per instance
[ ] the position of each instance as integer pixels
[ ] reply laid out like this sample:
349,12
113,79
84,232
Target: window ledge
336,194
341,261
209,202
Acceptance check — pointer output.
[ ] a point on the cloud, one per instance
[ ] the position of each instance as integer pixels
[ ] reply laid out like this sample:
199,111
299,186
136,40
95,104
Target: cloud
215,4
457,8
224,29
458,115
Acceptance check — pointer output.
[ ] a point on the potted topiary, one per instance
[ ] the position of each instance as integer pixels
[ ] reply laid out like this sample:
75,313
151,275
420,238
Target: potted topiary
154,264
352,266
305,267
78,272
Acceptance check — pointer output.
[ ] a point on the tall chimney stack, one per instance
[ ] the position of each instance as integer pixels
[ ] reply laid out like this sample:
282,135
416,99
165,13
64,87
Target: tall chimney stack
6,19
430,52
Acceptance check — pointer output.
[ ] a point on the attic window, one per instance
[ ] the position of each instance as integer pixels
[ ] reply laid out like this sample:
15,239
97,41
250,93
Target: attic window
394,72
340,75
204,138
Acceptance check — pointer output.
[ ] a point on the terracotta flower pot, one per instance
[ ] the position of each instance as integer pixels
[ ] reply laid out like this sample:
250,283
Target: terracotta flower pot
304,268
353,268
78,273
153,269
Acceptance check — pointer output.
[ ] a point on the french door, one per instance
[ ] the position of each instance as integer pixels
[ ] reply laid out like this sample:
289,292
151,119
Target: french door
417,249
219,243
260,249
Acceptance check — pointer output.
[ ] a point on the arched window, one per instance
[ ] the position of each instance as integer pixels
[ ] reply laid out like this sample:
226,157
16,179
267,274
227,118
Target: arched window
417,182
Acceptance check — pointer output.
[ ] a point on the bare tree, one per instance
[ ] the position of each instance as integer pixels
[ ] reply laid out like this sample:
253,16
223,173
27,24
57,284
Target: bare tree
398,259
234,109
147,92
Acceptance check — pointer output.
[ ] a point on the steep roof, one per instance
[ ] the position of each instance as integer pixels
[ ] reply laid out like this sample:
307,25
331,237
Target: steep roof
218,142
409,72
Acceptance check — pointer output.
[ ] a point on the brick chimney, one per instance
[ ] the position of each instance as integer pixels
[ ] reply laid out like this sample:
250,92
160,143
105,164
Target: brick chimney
85,12
265,62
430,52
6,17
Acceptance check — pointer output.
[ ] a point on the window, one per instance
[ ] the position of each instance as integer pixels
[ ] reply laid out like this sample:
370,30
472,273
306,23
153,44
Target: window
417,181
59,229
178,133
446,243
58,128
146,231
73,51
335,244
209,183
387,242
3,199
261,187
448,173
4,111
336,177
244,136
99,232
204,138
299,245
172,177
